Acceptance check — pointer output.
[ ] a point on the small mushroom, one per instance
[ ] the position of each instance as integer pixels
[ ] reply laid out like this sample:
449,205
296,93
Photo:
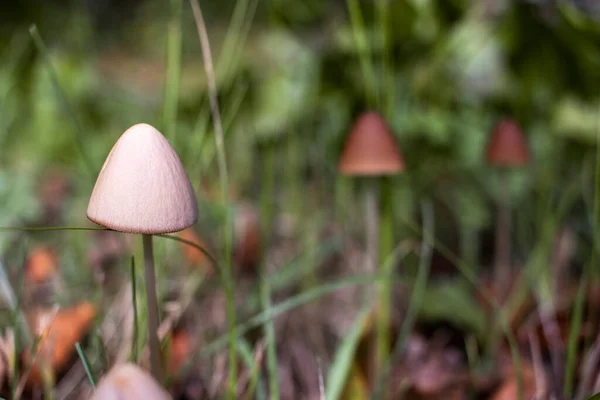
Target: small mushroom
507,149
371,152
129,382
143,188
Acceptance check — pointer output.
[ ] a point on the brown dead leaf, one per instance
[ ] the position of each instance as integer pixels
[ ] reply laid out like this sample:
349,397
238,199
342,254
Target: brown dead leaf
430,370
508,390
41,265
59,334
179,351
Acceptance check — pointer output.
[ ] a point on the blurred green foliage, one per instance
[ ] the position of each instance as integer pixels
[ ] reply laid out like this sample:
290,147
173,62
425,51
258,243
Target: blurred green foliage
445,72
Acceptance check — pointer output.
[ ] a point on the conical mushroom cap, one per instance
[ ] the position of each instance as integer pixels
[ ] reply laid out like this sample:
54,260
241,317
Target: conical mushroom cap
142,187
507,146
129,382
371,149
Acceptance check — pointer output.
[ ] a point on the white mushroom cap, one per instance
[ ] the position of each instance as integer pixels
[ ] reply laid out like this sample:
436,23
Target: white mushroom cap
142,187
128,382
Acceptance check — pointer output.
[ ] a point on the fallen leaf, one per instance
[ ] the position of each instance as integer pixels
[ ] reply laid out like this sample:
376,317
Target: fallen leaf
180,347
508,390
41,265
59,334
128,381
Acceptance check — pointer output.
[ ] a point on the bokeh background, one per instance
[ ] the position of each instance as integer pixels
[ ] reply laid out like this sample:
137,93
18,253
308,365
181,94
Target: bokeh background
292,77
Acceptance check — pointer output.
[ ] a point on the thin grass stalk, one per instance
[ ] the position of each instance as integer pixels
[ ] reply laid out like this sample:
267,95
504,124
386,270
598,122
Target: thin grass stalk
266,214
594,274
222,161
590,276
293,178
237,32
17,323
63,100
574,333
361,40
382,11
173,75
134,345
472,278
86,364
416,297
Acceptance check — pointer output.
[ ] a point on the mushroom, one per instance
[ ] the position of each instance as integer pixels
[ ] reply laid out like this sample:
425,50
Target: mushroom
128,382
371,152
143,188
506,149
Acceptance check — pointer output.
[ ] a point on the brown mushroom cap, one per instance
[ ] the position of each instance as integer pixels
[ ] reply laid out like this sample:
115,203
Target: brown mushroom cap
142,187
507,146
128,382
371,149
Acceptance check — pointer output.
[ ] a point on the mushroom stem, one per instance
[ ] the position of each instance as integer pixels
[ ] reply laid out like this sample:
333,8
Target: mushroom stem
371,194
372,223
152,303
502,257
385,269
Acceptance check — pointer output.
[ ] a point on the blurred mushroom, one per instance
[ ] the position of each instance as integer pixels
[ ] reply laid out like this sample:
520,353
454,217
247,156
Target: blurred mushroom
506,149
129,382
41,265
371,152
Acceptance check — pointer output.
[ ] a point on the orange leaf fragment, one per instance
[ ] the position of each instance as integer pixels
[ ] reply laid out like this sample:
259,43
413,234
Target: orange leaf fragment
41,265
59,334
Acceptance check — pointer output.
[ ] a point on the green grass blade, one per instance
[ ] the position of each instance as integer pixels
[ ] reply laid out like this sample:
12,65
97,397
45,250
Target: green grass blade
86,364
229,283
416,297
266,216
21,333
344,356
574,332
48,228
364,53
473,280
247,357
173,75
64,102
134,345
